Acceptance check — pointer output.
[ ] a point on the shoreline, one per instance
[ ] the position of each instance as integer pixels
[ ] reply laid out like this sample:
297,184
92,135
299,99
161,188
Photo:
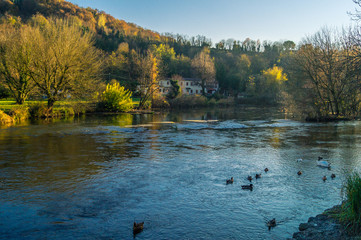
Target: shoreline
324,226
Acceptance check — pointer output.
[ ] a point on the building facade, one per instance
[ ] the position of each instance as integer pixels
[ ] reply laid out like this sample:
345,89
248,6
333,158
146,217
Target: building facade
188,86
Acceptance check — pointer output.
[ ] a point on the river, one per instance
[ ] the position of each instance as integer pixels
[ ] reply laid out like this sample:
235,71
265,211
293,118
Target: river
91,177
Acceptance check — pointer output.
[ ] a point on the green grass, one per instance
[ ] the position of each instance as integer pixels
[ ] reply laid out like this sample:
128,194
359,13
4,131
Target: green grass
351,208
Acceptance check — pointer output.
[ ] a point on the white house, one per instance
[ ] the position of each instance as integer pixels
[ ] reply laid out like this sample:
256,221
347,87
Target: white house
188,85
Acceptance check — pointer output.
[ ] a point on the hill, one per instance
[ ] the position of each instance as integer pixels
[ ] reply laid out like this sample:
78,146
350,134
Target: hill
110,31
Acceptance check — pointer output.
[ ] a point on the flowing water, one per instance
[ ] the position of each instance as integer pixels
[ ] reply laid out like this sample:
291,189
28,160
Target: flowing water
92,177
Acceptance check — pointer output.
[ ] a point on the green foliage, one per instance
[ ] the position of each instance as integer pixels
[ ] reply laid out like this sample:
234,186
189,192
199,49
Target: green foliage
174,91
115,99
351,208
4,92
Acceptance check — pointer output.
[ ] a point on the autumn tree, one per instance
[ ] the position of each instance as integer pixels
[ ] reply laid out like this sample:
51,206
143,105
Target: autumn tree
147,68
64,61
16,59
166,57
203,65
325,59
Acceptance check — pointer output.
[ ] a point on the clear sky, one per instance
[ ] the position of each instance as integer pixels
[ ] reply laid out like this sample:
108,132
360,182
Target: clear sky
222,19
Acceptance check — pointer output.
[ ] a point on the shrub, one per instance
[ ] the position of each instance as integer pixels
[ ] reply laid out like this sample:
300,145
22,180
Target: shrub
159,101
188,101
6,119
225,102
351,208
62,112
82,107
38,110
19,113
115,99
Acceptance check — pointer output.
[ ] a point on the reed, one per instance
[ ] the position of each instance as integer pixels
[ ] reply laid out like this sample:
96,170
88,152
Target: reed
350,213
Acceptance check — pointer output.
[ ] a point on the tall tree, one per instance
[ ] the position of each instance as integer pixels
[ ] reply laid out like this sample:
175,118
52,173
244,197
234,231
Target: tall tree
325,60
16,58
65,61
203,65
148,76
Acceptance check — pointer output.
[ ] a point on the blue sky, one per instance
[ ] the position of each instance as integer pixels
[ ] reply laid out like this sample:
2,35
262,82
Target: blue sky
221,19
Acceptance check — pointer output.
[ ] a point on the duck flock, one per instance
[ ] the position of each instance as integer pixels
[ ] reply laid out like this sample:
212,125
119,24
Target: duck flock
138,227
272,223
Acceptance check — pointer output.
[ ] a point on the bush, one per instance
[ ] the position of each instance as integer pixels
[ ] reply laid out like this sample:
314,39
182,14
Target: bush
351,208
19,113
225,102
6,119
159,101
188,101
62,112
38,110
82,107
115,99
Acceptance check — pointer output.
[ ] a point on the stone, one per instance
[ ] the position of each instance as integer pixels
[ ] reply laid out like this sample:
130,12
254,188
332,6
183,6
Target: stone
303,226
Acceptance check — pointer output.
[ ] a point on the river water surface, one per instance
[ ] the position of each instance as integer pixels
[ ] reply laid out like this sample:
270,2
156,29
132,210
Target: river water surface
92,177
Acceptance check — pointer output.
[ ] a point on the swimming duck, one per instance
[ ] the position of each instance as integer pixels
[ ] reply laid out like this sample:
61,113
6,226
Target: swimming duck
258,175
249,178
271,223
333,175
299,160
266,169
324,178
230,181
249,187
299,173
137,227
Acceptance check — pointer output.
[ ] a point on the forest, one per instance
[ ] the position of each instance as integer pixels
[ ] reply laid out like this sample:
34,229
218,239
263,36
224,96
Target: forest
56,50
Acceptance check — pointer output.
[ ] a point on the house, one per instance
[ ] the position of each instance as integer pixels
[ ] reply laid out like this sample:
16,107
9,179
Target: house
188,86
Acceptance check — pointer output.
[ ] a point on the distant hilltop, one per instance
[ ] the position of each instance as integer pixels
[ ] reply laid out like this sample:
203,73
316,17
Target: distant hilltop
92,19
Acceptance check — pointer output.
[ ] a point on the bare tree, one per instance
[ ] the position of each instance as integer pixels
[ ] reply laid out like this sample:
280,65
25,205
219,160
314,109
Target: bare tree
15,60
323,58
203,65
65,61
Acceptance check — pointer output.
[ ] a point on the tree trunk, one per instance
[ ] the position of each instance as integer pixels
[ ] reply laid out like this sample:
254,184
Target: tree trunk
51,101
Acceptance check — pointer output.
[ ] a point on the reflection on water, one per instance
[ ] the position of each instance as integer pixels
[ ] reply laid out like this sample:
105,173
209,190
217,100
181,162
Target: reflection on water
91,177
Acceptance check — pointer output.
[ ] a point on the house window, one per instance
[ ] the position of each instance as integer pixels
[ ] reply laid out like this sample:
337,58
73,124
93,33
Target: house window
191,91
186,83
196,91
167,82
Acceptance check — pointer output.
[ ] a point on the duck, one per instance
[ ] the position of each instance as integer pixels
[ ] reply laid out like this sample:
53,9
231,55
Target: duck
324,178
299,160
323,163
249,187
137,227
229,181
258,175
249,178
299,173
333,175
271,223
266,169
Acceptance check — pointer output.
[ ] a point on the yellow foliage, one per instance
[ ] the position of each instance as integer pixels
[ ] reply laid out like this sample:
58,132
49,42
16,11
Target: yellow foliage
275,74
101,21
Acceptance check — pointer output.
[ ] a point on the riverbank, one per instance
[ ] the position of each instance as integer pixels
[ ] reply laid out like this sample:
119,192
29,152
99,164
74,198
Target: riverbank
324,226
